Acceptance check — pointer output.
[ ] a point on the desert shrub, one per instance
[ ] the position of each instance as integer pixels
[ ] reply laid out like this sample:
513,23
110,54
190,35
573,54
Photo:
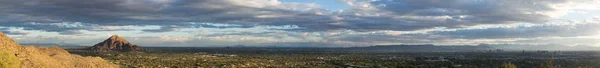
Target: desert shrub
8,60
509,65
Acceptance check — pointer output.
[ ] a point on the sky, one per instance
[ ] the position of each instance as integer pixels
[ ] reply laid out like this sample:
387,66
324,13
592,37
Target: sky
303,23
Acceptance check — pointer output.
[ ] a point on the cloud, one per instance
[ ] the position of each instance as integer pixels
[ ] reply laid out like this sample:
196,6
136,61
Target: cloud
150,12
70,32
409,15
587,27
551,32
67,28
398,15
88,40
562,41
164,29
305,44
9,32
271,22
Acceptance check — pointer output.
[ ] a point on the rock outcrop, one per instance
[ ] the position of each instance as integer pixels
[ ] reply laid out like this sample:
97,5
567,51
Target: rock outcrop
116,43
13,55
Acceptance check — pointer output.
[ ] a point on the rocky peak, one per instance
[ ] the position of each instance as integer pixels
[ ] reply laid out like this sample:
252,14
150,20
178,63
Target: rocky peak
116,43
117,38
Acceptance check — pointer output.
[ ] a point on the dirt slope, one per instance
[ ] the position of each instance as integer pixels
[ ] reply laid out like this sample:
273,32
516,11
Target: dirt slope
13,55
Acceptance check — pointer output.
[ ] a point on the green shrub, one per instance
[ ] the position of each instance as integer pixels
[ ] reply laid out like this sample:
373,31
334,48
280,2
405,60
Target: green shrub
8,60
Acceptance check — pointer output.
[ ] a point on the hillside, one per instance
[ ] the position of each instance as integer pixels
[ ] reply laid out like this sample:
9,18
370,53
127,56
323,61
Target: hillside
13,55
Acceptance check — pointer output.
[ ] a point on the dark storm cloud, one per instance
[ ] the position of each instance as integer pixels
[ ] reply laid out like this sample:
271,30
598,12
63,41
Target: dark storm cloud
163,29
401,15
149,12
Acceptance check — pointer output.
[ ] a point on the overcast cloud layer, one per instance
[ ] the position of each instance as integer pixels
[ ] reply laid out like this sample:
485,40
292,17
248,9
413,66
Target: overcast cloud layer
296,24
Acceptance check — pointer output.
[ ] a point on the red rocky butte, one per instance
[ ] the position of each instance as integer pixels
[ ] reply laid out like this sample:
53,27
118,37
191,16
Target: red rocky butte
116,43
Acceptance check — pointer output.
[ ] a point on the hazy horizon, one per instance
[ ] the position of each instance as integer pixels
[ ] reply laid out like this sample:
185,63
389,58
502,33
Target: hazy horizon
465,48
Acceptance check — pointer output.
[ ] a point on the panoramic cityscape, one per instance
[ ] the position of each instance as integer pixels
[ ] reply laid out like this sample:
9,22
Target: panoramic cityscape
299,33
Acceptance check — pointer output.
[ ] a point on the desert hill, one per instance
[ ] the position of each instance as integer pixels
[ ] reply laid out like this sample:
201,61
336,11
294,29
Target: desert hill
13,55
116,43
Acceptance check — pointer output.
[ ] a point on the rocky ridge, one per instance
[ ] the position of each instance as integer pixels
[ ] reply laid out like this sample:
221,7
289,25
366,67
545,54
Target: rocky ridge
116,43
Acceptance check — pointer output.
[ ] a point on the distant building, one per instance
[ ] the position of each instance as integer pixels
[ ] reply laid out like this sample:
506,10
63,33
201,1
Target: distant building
542,51
499,50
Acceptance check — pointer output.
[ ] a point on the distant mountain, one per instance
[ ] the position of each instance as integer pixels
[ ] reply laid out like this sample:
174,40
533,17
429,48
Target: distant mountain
470,48
116,43
423,48
48,44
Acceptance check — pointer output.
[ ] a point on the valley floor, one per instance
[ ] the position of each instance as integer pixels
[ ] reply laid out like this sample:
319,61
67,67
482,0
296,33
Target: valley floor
332,57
